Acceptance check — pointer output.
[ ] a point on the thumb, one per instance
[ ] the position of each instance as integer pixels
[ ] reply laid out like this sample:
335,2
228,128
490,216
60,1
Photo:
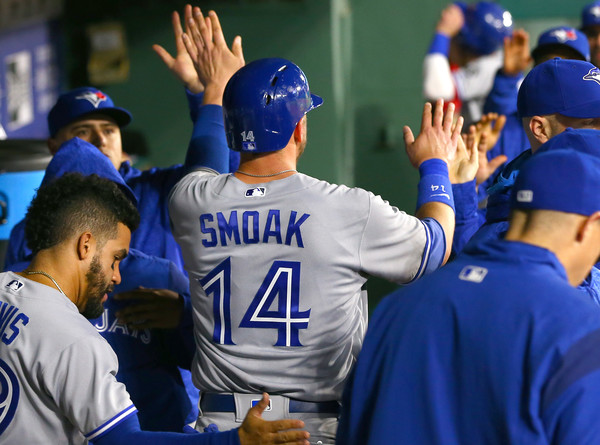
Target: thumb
497,162
236,47
409,137
258,409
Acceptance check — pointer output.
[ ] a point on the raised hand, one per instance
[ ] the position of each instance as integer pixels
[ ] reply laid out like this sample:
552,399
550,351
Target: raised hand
181,65
451,21
214,62
517,55
439,136
463,168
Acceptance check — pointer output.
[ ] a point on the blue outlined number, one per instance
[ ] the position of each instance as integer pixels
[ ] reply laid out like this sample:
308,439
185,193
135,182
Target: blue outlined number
282,283
9,395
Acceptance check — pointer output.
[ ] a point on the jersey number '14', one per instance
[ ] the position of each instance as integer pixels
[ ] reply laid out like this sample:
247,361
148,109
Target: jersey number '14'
283,280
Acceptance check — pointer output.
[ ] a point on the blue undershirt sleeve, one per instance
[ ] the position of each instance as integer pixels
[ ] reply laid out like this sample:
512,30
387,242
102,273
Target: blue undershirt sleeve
439,44
128,432
208,146
433,256
468,218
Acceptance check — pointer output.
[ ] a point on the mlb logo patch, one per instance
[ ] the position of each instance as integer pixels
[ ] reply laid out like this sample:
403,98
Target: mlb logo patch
474,274
94,98
256,192
15,285
249,146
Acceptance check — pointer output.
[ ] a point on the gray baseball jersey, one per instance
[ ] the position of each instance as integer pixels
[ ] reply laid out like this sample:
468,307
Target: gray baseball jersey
57,374
277,273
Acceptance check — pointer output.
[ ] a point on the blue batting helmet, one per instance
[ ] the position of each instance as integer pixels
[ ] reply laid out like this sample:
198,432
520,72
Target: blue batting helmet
262,104
590,15
486,25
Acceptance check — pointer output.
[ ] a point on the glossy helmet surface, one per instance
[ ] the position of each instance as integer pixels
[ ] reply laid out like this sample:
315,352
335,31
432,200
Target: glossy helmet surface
263,102
486,25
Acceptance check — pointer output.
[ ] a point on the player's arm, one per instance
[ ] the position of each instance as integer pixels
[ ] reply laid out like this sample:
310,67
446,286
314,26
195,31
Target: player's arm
253,431
214,63
431,152
437,77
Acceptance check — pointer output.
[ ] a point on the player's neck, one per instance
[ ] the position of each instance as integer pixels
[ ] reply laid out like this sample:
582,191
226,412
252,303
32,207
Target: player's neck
255,169
45,270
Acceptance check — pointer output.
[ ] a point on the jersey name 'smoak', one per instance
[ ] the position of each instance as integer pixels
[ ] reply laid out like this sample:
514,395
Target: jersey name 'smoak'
277,273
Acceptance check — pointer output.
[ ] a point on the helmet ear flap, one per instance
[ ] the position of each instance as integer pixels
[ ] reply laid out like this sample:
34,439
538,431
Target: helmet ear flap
263,102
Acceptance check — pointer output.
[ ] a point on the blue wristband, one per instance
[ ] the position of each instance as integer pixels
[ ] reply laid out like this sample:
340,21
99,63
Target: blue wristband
440,44
434,185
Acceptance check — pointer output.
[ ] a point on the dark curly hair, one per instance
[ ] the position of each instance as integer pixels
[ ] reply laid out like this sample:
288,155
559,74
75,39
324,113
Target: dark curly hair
73,204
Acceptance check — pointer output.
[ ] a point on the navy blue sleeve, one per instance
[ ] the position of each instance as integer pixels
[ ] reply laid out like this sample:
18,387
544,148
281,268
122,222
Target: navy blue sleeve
502,98
128,432
208,146
17,250
468,218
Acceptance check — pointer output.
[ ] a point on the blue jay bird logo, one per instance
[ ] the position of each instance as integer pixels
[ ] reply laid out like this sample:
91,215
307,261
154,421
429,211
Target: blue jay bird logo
593,74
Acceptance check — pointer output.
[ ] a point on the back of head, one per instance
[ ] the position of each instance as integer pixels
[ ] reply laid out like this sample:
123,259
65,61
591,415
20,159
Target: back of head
560,86
262,104
485,27
590,15
562,180
81,102
561,40
73,204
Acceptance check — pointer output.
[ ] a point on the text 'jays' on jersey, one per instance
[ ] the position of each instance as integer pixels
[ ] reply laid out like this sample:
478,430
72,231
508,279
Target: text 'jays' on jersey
276,276
57,374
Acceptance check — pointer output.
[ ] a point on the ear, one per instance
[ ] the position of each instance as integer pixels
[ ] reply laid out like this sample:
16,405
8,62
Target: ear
86,245
53,146
540,129
589,227
300,131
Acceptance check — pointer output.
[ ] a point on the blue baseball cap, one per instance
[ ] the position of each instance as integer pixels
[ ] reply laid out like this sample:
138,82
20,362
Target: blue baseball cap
590,15
563,36
80,102
565,86
563,180
584,140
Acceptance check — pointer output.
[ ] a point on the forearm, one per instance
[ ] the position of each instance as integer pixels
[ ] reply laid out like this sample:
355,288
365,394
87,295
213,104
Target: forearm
208,146
128,432
437,77
435,199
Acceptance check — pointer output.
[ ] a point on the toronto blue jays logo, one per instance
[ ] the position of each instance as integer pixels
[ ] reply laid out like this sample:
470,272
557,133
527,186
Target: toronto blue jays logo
562,35
595,11
9,395
95,98
593,74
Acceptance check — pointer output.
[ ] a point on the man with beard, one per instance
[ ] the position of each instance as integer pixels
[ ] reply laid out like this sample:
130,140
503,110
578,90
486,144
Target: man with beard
57,374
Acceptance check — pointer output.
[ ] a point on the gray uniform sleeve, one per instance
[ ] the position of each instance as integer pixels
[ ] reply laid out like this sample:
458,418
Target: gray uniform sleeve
82,382
393,244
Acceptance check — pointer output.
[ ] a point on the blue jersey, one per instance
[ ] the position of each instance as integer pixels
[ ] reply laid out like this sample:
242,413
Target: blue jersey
494,348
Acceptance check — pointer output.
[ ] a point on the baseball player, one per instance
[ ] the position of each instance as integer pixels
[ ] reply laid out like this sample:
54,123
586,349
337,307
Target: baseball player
563,42
465,54
502,349
278,260
57,373
555,95
590,25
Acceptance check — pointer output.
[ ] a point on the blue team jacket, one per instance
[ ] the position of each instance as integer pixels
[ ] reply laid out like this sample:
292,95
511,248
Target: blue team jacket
494,348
